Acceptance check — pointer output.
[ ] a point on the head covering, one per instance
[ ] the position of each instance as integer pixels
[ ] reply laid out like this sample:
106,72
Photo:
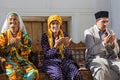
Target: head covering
5,25
54,17
101,14
60,34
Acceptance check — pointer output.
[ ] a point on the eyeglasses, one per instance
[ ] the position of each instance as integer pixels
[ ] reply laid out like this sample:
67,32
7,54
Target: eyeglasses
105,21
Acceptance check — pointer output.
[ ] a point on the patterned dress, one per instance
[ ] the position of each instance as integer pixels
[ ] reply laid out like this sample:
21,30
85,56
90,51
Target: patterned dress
56,67
17,65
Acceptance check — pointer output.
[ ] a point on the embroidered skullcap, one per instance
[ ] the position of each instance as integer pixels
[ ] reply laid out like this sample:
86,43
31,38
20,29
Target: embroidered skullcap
101,14
54,17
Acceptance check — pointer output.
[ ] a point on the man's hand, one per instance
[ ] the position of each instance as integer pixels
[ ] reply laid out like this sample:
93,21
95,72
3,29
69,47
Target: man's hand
106,40
109,40
112,39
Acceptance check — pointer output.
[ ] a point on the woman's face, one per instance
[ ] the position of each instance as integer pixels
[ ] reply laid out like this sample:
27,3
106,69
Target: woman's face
55,27
13,22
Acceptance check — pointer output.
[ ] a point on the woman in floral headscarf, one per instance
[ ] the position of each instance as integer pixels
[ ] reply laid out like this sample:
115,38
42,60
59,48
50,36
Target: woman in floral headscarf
58,63
15,45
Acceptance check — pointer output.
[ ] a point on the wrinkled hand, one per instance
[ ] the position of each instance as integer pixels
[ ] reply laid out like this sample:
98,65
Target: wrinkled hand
18,42
109,40
58,42
112,38
106,39
67,41
12,41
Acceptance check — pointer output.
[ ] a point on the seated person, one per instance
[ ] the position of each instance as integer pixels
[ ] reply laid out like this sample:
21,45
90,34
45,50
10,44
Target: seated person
15,45
58,62
102,49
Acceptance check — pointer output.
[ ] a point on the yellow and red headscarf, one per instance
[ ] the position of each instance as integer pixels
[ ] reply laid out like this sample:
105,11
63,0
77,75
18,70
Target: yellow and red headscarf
50,39
54,17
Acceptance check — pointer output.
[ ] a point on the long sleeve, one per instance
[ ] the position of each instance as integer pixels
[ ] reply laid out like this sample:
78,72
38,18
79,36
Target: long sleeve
68,53
116,46
94,45
25,49
27,45
49,53
113,53
3,44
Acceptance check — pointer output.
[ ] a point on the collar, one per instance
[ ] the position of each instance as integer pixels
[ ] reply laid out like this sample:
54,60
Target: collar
96,28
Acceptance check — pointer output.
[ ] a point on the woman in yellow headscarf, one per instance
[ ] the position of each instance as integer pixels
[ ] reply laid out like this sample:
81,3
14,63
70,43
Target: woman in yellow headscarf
58,62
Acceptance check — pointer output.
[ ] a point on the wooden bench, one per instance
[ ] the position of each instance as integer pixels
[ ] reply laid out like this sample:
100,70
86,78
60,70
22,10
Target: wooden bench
78,52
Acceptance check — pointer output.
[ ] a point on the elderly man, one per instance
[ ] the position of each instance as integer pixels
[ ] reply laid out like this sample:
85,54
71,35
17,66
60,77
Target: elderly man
102,49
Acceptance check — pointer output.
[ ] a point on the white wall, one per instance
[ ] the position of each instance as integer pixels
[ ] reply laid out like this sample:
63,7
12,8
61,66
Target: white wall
81,11
115,16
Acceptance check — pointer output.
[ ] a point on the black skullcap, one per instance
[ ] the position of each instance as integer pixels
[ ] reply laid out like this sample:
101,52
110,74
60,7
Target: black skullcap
101,14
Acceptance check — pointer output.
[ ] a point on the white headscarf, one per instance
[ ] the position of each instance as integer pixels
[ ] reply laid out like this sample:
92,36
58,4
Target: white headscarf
5,25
